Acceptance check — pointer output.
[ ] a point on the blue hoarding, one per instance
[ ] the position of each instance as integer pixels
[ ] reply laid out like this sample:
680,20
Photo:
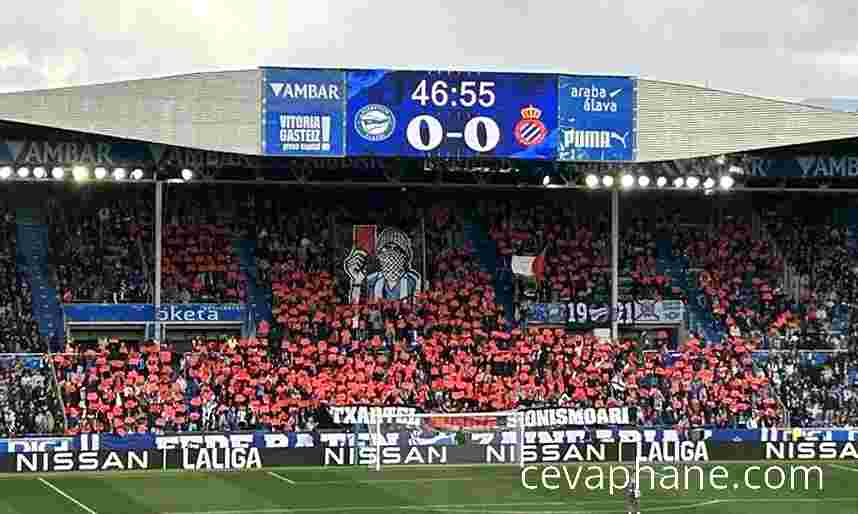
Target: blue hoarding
596,119
145,313
451,114
641,312
303,112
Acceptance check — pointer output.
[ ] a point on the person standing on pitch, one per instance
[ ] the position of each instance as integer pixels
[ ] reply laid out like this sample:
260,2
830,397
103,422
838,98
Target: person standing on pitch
633,497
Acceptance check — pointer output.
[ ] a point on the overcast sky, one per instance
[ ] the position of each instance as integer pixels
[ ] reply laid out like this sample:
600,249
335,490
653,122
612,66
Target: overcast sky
779,48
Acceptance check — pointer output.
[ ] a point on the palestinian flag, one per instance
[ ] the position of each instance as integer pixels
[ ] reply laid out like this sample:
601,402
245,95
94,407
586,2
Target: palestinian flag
532,266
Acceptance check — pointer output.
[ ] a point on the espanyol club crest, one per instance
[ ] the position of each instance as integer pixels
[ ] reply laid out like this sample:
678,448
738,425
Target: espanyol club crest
375,122
530,130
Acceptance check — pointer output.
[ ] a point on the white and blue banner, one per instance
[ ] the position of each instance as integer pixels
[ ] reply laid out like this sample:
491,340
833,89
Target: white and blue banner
596,118
303,112
404,437
146,313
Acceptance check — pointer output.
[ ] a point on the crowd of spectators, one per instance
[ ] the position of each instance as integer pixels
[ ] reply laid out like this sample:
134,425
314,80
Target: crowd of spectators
200,264
28,399
577,257
450,348
122,387
817,389
19,332
452,366
738,274
101,244
821,257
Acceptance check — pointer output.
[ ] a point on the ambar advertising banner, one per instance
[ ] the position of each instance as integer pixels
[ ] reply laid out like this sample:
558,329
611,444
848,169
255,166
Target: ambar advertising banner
303,112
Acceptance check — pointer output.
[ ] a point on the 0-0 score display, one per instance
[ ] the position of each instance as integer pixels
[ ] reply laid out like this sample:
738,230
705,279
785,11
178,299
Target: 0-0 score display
443,114
481,134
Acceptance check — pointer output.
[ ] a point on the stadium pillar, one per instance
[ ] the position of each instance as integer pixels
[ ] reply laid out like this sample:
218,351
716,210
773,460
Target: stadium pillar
159,213
615,261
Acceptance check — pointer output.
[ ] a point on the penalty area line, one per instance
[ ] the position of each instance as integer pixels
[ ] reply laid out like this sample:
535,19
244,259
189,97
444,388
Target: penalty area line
281,478
66,496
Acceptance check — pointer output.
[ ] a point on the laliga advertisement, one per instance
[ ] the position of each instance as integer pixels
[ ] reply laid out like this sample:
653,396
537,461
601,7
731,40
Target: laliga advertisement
303,112
452,114
596,119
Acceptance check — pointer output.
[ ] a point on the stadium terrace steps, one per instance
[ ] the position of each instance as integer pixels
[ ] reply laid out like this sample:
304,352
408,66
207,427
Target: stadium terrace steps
477,237
700,319
32,260
840,319
259,296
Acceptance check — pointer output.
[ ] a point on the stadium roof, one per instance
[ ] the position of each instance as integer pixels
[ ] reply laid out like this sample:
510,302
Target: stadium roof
221,111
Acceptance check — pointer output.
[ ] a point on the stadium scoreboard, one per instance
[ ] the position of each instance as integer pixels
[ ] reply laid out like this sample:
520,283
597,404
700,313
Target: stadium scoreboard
447,114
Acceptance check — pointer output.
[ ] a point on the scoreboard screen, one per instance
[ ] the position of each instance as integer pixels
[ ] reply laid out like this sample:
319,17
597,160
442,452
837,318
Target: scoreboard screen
451,114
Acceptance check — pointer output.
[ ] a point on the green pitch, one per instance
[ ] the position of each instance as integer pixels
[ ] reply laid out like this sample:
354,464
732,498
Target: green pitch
463,490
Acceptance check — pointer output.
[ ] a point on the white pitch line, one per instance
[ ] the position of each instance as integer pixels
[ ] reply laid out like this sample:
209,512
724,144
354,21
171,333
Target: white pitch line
394,481
648,509
469,508
66,496
281,477
347,508
847,468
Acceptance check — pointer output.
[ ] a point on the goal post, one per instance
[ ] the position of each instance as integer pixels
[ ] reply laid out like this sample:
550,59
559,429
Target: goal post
503,428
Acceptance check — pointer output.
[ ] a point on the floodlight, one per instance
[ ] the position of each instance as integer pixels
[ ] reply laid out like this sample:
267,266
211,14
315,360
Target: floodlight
5,172
23,172
592,181
678,182
608,181
100,173
119,174
692,182
137,174
80,173
661,181
58,173
627,181
39,172
188,175
709,183
643,181
727,182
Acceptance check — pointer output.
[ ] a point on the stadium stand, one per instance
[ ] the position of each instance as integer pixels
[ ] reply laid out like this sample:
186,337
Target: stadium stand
28,399
200,261
101,244
19,333
455,348
451,350
738,275
812,387
122,387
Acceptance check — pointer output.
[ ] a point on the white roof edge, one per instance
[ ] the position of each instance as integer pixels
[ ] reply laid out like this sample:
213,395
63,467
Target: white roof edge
118,82
749,95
